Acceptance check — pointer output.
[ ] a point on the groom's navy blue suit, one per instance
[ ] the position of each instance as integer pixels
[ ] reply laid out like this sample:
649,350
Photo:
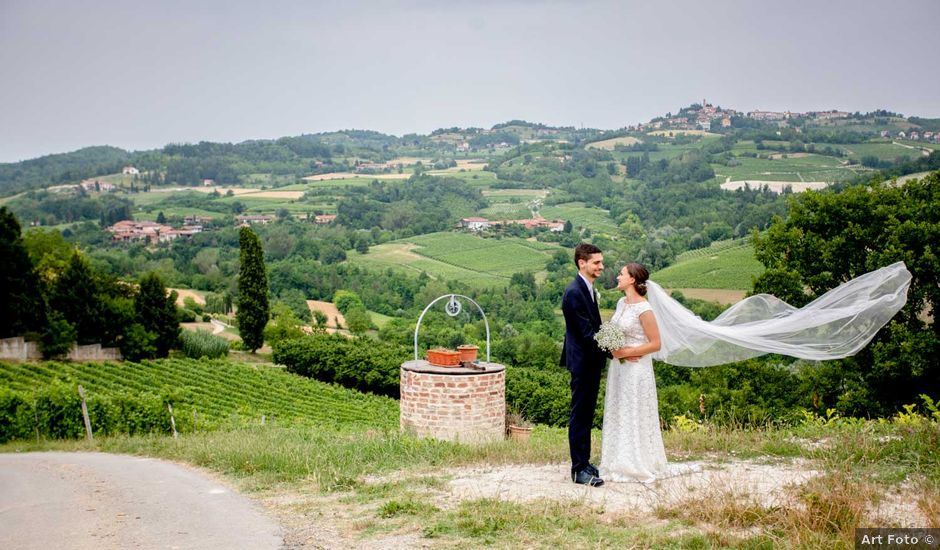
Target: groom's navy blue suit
585,360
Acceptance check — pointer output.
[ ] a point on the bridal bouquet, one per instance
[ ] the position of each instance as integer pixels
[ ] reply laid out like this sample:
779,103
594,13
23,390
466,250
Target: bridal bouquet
610,337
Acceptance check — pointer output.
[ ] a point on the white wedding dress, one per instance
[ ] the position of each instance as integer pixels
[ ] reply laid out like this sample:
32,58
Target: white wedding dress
632,442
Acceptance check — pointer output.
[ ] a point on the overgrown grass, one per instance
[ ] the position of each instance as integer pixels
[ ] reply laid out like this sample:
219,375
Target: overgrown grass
202,343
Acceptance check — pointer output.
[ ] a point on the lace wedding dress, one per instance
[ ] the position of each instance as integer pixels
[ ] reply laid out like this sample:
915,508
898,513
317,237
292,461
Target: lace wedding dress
632,445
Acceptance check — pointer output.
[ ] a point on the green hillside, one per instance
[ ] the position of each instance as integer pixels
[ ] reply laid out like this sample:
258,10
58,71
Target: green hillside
728,265
459,256
219,392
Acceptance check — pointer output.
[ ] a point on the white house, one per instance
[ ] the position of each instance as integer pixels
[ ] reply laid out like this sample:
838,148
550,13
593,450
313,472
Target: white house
130,171
475,224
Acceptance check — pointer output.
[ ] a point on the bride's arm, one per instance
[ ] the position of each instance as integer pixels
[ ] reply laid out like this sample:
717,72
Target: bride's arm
648,322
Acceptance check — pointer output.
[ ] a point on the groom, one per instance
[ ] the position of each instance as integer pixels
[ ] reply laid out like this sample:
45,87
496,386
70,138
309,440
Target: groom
584,359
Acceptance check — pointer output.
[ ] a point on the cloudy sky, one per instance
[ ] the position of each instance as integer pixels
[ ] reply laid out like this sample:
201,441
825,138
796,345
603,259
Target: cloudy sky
138,75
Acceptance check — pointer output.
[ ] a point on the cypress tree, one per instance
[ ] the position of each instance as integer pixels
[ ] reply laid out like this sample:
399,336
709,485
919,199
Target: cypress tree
253,307
156,313
20,291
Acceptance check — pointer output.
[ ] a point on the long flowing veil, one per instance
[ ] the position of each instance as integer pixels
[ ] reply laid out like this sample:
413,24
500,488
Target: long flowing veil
837,324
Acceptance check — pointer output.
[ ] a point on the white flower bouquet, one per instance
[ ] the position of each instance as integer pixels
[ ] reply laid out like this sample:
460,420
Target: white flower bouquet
610,337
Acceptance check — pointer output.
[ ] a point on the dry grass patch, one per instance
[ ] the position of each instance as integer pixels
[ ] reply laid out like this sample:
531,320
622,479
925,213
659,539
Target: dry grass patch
713,294
610,144
928,503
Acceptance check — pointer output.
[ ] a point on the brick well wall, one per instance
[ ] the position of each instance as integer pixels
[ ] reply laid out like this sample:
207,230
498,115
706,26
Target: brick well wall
470,407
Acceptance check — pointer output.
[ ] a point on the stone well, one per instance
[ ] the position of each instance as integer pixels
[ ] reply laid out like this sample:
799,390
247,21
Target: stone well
453,403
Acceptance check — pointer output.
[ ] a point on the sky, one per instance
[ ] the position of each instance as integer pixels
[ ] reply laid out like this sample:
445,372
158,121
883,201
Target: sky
139,75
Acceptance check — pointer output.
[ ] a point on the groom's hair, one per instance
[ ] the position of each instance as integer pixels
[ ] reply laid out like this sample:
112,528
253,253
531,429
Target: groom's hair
584,251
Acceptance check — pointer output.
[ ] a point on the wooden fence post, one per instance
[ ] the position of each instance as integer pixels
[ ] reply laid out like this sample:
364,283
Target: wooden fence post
172,420
81,392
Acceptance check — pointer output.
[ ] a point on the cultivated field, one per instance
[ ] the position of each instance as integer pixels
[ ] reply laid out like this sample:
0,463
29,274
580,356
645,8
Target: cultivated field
610,144
459,257
725,267
580,215
351,175
777,186
809,168
256,193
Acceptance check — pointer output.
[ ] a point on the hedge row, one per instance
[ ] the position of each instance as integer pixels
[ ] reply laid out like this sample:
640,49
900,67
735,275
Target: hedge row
55,412
360,363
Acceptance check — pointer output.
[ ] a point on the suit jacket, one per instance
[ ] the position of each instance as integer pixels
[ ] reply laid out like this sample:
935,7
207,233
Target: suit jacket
580,353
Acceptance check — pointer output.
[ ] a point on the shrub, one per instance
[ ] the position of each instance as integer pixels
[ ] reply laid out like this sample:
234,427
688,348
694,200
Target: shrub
345,300
138,343
201,343
361,364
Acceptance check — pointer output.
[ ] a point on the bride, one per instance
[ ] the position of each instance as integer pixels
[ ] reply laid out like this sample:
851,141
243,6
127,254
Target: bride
837,324
632,446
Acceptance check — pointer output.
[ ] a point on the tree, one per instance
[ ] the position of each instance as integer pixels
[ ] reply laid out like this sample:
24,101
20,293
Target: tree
155,311
830,238
346,300
161,218
358,320
253,309
20,288
284,325
75,297
362,246
58,337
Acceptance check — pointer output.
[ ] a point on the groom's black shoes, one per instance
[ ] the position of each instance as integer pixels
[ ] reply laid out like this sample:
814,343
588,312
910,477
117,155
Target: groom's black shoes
592,469
586,478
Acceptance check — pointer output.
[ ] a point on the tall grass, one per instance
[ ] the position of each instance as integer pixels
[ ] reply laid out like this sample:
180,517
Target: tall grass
200,343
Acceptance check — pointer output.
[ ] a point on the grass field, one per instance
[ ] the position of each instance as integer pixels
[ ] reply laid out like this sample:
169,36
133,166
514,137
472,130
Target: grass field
728,266
460,257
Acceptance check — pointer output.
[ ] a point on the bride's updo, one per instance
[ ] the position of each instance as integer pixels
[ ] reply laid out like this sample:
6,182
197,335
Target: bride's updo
640,274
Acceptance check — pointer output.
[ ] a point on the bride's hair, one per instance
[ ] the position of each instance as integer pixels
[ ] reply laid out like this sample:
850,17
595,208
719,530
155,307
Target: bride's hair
640,274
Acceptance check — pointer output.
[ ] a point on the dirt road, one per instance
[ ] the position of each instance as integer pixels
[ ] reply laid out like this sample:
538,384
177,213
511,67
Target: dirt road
104,501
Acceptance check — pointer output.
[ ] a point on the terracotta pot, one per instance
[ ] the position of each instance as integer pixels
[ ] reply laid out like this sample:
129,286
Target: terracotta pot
468,352
444,357
519,433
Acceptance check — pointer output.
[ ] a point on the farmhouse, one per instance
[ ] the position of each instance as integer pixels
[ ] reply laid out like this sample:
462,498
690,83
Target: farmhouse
323,219
95,185
129,230
534,223
828,115
767,115
475,224
130,171
197,220
253,219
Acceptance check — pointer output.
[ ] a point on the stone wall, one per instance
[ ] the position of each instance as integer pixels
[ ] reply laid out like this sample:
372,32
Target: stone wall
17,349
468,407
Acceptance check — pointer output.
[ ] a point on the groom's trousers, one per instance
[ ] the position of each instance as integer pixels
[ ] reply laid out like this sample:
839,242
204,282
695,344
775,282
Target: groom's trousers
584,389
